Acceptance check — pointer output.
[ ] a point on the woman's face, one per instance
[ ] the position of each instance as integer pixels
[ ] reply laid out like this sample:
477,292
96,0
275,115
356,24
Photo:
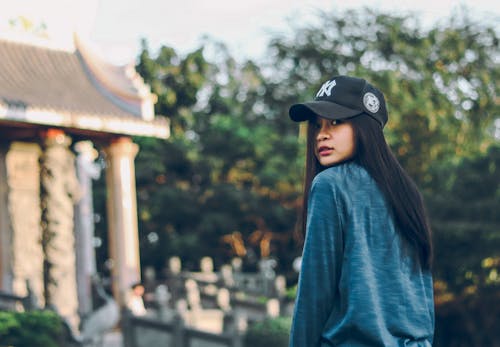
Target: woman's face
334,141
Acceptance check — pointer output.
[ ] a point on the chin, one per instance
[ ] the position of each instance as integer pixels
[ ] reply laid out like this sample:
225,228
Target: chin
334,163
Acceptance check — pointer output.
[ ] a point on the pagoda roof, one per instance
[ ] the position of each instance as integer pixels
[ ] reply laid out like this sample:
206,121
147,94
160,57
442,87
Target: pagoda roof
43,85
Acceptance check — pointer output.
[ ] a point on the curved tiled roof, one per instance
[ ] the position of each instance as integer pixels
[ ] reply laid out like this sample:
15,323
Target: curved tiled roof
46,82
122,79
121,83
49,79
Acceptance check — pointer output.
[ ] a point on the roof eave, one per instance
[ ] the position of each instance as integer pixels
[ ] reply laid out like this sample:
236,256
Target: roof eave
131,126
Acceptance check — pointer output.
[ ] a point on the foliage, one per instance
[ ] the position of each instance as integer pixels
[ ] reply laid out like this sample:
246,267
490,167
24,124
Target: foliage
465,219
291,292
273,332
218,187
440,85
470,320
464,215
33,329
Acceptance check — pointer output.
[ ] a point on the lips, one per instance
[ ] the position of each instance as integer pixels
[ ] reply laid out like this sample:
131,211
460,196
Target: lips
325,150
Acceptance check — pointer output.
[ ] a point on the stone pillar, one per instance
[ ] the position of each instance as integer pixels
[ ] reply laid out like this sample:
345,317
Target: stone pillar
122,216
20,220
86,171
60,191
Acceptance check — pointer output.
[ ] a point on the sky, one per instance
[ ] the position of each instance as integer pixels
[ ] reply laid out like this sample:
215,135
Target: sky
114,28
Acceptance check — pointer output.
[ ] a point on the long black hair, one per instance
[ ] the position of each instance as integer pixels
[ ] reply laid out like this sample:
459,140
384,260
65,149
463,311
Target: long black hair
400,191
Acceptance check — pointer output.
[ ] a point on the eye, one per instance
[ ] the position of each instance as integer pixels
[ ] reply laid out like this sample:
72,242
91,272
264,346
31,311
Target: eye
316,125
335,122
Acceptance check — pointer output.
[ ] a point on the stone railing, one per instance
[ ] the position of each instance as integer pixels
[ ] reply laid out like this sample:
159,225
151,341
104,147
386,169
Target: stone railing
10,302
206,308
150,331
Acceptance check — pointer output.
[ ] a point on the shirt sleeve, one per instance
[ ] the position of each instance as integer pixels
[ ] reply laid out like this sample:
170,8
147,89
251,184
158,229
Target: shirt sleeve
321,264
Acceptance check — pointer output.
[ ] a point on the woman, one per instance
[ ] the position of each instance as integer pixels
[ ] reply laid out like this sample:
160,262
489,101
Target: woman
365,276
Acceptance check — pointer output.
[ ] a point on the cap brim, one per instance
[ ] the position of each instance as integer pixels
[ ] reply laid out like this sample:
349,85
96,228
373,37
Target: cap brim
326,109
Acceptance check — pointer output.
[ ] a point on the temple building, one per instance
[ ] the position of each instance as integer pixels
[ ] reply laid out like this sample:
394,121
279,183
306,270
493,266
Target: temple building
57,108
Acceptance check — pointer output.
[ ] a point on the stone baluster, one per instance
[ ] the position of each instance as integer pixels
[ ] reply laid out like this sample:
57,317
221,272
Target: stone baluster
162,298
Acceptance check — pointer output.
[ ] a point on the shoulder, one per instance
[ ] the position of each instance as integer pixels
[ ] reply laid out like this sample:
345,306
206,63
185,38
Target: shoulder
341,176
346,184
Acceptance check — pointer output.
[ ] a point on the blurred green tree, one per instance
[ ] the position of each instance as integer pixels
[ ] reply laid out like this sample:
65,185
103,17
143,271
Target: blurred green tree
464,206
441,84
226,182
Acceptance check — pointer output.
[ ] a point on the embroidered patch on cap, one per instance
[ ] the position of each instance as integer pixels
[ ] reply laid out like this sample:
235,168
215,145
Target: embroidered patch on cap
371,102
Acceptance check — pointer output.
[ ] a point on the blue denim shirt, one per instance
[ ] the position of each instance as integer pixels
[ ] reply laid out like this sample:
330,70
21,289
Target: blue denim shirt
358,286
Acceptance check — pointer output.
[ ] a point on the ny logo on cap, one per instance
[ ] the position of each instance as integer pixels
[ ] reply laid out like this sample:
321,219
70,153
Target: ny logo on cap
326,88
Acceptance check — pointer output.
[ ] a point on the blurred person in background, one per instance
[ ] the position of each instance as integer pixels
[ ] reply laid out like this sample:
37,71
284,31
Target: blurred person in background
135,301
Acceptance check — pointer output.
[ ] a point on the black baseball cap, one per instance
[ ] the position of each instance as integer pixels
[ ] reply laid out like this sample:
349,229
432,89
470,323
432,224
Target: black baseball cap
343,97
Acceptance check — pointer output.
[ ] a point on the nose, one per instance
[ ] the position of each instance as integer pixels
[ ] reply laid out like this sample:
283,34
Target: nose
322,132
